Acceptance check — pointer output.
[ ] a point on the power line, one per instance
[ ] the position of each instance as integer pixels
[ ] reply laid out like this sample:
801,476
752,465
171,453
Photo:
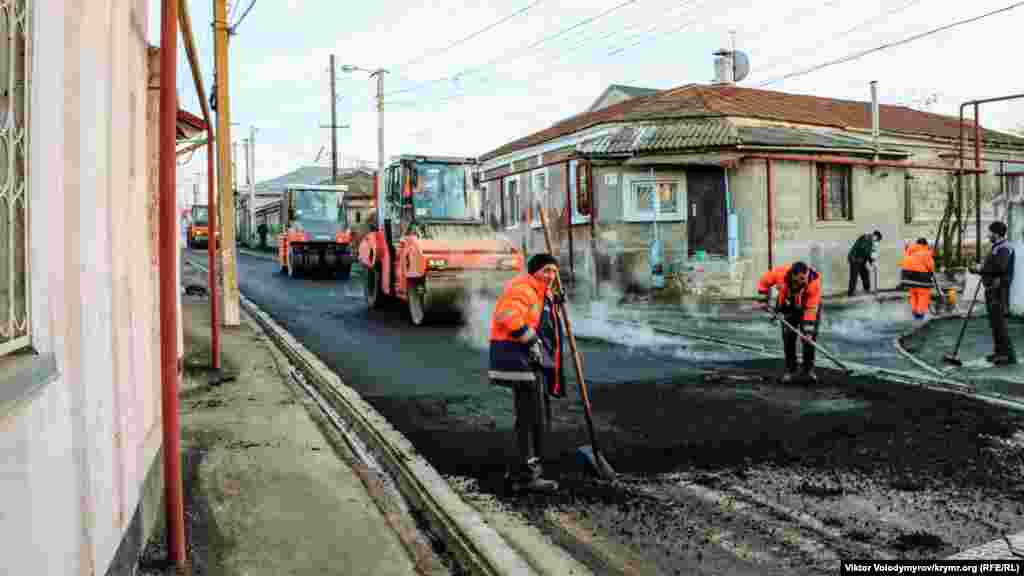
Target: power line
233,28
842,34
497,59
487,28
863,53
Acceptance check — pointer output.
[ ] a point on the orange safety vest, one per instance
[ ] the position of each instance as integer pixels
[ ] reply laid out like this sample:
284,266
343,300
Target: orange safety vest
521,306
808,298
917,267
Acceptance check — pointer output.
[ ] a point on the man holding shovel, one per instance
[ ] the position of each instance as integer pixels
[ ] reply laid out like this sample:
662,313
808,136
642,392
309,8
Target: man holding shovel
799,303
996,274
526,355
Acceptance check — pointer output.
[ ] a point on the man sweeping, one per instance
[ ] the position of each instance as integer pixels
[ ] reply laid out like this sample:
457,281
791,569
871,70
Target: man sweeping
799,304
996,274
917,272
526,355
862,254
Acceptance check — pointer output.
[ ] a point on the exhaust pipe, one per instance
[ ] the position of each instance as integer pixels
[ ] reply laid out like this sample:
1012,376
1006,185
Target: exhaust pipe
874,116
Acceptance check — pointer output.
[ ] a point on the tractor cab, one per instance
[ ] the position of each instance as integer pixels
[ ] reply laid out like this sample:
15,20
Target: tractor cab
315,232
425,193
199,226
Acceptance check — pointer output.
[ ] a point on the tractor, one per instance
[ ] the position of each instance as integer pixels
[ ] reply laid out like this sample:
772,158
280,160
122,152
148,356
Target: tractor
430,246
199,226
315,233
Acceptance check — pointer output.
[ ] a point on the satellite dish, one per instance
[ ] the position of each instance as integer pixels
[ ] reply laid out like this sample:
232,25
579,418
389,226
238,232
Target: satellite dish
740,65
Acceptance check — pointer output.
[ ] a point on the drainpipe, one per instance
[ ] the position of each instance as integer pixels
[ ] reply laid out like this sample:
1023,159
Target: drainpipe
568,219
170,368
874,116
771,213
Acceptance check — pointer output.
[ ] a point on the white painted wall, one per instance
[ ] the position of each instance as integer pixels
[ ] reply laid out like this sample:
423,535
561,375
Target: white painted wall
75,456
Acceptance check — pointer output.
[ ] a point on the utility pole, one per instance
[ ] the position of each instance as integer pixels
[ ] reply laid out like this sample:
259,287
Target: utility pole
232,314
251,180
379,73
334,126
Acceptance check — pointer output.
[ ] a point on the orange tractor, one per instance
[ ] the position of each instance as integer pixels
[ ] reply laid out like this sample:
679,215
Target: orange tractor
199,226
315,231
430,246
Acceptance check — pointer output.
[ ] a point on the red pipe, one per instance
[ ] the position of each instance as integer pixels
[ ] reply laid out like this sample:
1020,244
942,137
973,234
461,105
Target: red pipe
211,255
771,213
170,367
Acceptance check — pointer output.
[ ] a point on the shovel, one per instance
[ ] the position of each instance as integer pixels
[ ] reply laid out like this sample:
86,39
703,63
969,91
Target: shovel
590,454
953,357
810,341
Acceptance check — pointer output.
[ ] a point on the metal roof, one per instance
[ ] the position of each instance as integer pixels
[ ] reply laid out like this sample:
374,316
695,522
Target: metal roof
663,136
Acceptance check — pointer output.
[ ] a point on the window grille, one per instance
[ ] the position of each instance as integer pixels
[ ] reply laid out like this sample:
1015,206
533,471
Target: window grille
15,83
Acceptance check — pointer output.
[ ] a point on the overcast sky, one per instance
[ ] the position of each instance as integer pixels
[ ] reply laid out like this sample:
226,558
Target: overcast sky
509,81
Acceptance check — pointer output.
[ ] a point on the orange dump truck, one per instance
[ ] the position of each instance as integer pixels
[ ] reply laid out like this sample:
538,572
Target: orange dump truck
315,231
430,246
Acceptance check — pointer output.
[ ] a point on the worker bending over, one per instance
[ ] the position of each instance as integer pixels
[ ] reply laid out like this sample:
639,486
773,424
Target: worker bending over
799,303
860,257
526,355
918,276
996,274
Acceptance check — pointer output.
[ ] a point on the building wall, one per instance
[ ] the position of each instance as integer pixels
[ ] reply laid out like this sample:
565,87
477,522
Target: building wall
76,453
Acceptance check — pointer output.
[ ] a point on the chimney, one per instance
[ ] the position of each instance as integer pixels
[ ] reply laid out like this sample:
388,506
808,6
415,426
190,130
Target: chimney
874,116
723,67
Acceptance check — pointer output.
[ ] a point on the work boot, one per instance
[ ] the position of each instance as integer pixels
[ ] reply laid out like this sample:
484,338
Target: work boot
1004,360
529,479
787,378
809,376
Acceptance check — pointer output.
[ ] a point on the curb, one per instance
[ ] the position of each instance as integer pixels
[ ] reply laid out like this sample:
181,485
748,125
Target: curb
479,548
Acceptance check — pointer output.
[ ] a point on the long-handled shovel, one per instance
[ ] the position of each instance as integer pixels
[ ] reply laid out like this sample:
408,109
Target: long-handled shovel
810,341
590,454
954,356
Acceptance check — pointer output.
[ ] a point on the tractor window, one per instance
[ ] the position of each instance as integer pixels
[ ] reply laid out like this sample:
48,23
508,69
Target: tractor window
442,193
318,205
200,215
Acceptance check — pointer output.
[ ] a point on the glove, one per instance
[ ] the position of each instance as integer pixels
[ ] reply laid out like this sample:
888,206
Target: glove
535,353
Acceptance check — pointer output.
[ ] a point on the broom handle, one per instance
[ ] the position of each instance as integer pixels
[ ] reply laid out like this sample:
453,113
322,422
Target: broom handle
572,339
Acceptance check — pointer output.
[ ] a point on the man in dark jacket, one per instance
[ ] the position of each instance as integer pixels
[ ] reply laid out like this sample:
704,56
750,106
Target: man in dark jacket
996,274
861,254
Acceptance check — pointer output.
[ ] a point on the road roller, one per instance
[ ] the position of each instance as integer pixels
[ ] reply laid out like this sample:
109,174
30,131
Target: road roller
430,248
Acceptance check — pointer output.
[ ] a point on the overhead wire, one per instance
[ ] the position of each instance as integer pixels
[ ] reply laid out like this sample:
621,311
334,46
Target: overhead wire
504,55
465,39
862,53
233,29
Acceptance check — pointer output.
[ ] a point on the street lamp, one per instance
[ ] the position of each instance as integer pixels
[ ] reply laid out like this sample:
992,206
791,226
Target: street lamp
379,73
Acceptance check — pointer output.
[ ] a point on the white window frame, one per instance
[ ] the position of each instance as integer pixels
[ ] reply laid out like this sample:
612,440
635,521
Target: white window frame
631,214
512,216
1014,186
577,218
534,213
16,192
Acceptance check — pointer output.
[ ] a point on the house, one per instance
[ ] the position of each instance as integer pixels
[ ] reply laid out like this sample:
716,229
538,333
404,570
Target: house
80,403
619,93
358,198
744,179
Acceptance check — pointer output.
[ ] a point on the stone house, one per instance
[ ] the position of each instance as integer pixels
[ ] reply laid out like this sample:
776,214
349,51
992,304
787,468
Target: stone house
743,179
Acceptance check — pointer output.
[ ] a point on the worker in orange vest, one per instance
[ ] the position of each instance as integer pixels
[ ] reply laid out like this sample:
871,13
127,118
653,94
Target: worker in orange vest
799,303
918,276
526,355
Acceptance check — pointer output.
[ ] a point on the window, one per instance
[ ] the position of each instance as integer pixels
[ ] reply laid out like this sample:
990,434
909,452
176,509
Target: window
512,205
1015,186
577,217
908,199
641,200
835,201
15,84
539,190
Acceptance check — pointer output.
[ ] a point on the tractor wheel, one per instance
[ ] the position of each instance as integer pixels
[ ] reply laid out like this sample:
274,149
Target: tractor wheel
374,296
293,266
417,305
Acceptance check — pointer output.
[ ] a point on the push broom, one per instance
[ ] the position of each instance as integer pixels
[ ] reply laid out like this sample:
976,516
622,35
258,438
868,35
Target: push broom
953,357
590,454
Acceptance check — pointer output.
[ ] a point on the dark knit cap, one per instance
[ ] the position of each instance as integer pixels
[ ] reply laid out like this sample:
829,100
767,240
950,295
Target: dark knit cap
539,261
798,268
997,228
922,241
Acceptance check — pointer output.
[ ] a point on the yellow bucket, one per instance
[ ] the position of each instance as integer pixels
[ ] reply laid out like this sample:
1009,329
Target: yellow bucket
951,296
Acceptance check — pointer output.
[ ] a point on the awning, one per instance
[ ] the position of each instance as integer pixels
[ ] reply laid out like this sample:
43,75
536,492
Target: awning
723,159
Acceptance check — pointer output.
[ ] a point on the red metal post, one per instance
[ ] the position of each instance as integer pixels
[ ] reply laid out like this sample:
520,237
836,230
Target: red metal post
211,254
771,213
568,219
170,369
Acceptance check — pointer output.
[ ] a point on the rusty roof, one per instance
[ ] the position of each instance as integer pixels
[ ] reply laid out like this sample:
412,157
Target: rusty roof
664,136
704,101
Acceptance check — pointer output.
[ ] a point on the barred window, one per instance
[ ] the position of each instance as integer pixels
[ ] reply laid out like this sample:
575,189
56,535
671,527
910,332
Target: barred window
835,198
15,82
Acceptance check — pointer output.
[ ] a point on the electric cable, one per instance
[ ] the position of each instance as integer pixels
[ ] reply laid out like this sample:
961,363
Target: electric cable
234,27
862,53
465,39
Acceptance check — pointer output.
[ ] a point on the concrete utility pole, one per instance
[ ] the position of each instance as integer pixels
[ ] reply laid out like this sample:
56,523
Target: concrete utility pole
232,314
334,126
379,73
251,181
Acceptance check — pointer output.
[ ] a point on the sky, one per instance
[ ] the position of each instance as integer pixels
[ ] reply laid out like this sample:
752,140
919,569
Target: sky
447,94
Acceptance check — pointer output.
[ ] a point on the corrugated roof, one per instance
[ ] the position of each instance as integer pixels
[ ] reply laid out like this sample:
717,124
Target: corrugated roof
695,101
655,137
799,137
